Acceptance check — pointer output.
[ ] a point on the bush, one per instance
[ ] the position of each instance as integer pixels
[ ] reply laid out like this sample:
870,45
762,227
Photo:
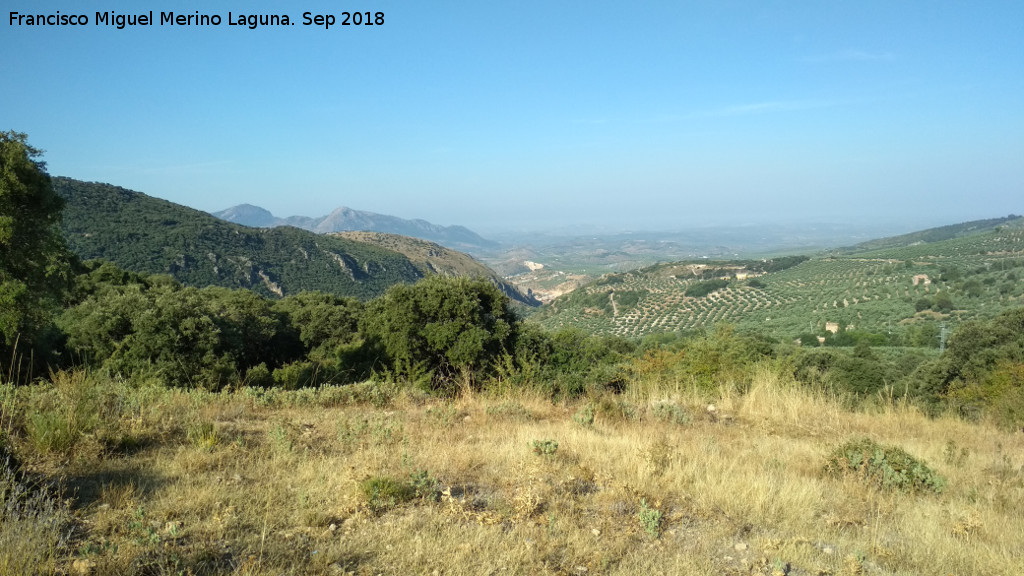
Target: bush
185,336
584,416
455,329
887,467
384,492
671,413
544,447
650,519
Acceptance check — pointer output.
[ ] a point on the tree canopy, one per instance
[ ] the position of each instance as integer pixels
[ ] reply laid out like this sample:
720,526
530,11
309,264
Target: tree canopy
33,260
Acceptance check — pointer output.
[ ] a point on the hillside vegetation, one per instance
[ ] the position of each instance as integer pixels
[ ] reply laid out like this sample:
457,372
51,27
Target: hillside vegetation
431,258
148,427
145,234
902,293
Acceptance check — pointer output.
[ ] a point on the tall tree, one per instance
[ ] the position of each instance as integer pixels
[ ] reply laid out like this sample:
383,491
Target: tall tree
34,267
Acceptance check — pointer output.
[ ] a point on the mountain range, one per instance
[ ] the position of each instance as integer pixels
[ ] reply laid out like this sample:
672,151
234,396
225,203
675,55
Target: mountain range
346,219
149,235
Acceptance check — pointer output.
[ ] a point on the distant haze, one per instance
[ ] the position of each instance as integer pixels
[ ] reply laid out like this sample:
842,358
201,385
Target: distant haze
544,115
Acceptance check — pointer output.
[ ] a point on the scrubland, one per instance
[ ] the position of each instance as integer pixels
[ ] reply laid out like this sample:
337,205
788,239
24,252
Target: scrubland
112,477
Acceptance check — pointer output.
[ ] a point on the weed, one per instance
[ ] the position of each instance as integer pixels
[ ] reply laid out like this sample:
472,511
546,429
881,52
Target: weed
671,413
279,439
584,416
650,519
424,485
544,447
510,410
444,415
887,467
954,455
203,435
384,492
616,410
660,456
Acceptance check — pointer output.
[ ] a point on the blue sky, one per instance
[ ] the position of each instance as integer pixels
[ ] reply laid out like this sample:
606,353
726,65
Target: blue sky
499,115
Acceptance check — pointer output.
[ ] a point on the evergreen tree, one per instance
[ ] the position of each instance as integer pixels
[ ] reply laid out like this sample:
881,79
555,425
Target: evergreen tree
34,267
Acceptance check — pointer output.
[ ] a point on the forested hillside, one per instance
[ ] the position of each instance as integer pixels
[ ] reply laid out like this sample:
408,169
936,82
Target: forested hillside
433,258
145,234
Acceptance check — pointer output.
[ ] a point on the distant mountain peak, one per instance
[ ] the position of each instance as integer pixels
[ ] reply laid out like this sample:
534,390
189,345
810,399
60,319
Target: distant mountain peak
253,215
346,219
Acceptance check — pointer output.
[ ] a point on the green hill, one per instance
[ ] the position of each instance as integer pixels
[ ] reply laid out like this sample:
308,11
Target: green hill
145,234
939,234
904,291
431,258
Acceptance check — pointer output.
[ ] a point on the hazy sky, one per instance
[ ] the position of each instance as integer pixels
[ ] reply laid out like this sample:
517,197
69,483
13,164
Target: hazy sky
534,113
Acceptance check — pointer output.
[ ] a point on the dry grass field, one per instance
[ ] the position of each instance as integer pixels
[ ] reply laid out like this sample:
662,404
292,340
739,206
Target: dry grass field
367,480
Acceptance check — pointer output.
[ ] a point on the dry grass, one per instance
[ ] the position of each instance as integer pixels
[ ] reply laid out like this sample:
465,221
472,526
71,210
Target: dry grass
239,484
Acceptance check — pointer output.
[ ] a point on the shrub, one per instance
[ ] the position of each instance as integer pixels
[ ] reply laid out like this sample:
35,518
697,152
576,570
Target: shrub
584,416
671,413
452,328
544,447
888,467
650,519
424,486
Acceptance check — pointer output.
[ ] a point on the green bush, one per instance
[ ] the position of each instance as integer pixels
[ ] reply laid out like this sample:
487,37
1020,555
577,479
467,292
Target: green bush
384,492
452,328
425,486
544,447
185,336
650,519
887,467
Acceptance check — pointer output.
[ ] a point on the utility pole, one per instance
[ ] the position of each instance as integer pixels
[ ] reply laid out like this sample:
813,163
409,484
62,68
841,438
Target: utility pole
943,334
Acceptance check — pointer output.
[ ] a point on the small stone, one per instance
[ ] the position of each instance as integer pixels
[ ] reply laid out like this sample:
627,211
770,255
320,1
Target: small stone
740,547
828,550
728,558
332,527
595,532
711,408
